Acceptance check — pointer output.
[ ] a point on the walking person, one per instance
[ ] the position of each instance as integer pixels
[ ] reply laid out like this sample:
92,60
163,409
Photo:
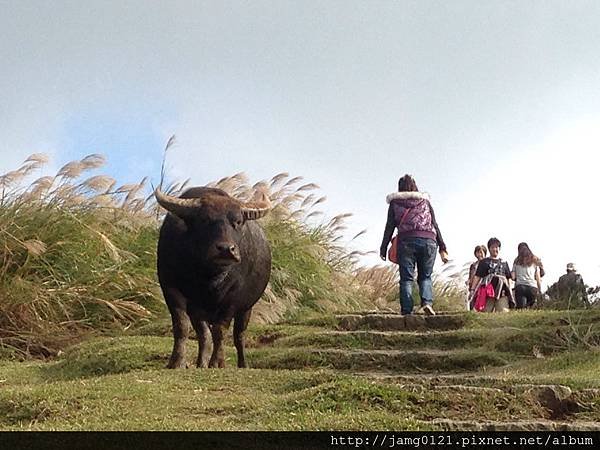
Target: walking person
419,238
480,252
491,282
526,272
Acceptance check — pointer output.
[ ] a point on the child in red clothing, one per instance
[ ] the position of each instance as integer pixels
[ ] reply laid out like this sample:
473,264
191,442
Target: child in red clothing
480,252
496,272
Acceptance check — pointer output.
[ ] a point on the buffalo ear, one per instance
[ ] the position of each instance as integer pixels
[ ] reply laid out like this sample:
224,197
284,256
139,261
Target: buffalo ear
258,207
181,207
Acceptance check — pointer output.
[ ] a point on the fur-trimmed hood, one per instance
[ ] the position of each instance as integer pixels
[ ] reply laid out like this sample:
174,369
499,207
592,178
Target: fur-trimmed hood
406,195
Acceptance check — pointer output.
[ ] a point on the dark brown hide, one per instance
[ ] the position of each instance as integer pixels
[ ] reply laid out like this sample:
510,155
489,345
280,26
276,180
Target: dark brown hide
214,263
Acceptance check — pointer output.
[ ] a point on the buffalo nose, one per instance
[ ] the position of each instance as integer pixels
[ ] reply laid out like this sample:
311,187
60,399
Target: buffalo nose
224,248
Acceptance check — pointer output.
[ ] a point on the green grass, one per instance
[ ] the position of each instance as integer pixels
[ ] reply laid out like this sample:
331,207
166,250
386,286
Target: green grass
578,369
191,400
508,340
534,318
120,383
230,399
403,362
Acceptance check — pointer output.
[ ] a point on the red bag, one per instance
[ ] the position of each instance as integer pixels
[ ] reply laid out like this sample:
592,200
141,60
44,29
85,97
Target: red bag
393,251
484,292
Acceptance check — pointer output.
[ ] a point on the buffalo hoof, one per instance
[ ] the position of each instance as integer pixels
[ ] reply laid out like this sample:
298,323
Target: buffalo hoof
216,364
180,364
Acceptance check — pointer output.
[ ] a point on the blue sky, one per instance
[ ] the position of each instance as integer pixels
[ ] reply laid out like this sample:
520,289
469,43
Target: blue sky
129,139
478,100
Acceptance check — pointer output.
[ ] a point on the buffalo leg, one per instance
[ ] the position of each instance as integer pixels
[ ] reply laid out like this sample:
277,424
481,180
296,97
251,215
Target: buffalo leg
217,358
239,327
181,327
202,331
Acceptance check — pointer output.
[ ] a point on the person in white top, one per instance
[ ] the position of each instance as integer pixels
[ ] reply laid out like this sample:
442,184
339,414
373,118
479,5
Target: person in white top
526,274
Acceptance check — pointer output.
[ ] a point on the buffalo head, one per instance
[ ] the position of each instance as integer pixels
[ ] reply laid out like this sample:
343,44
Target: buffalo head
214,221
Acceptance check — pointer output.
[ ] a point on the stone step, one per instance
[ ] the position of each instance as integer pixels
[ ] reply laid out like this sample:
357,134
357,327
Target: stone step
399,361
557,399
374,312
473,379
402,339
418,387
388,322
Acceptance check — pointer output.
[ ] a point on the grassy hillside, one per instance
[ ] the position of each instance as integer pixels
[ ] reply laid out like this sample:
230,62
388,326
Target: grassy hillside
363,374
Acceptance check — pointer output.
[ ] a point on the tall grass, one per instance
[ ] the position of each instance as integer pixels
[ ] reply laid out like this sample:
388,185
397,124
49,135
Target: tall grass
75,255
379,285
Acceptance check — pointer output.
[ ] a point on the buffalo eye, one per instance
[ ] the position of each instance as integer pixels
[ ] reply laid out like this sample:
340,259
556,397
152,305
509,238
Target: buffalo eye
237,223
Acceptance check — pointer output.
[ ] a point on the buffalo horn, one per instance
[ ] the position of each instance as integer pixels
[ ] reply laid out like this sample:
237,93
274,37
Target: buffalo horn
175,205
258,207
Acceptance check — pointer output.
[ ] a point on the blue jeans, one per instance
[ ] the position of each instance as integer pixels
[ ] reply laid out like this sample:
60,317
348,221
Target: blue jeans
419,252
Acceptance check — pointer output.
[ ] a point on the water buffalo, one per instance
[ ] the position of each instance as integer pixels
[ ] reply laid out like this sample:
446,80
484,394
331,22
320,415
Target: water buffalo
214,263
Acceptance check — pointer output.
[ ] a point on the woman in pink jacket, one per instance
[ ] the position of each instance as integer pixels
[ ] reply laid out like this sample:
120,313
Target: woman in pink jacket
418,239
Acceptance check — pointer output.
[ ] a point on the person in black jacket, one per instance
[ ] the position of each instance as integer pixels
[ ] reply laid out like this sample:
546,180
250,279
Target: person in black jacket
571,287
493,270
419,237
